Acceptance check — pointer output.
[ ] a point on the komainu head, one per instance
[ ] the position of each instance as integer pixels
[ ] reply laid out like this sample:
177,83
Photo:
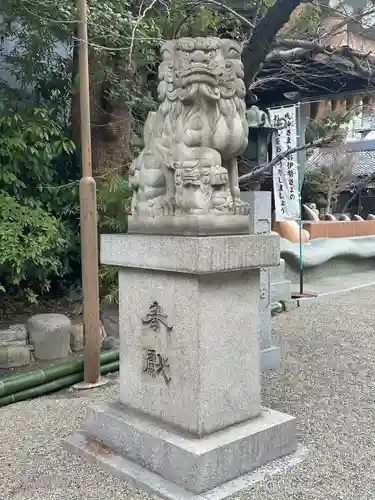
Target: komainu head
209,67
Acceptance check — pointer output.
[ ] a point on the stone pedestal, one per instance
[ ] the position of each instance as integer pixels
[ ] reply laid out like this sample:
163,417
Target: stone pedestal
260,223
280,287
189,419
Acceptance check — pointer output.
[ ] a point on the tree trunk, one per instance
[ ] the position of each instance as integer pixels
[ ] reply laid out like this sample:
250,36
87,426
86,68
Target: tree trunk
329,201
264,35
363,185
110,119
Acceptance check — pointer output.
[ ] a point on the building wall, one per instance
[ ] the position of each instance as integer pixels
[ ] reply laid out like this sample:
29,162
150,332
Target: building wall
361,104
360,43
343,36
332,35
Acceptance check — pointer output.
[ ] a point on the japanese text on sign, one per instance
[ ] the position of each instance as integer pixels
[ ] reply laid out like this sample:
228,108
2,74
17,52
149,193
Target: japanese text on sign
285,172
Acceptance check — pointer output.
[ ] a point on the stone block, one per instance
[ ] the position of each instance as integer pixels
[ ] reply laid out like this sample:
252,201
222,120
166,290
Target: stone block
280,287
196,465
13,335
260,211
110,320
260,223
76,337
13,356
281,291
211,254
278,272
212,347
265,308
50,335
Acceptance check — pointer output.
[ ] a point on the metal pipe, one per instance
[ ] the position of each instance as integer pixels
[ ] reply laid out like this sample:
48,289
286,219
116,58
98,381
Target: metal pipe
300,201
88,215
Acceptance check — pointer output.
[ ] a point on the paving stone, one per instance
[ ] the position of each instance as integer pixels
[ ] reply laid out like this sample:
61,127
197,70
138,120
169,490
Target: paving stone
12,356
13,335
76,337
50,335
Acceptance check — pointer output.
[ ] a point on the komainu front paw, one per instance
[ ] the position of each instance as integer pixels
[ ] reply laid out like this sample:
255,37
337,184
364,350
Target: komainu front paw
241,208
160,206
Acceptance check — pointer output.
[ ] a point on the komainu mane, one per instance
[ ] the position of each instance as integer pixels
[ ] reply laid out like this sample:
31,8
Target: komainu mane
189,162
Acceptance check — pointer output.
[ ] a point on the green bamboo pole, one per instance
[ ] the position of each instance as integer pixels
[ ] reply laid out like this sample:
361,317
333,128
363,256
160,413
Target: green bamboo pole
54,385
28,380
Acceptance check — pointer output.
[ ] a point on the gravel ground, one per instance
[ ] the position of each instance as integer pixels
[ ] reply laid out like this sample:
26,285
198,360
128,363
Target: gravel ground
331,284
327,380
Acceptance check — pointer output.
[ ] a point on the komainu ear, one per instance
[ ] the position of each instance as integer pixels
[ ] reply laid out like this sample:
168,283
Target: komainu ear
168,50
230,49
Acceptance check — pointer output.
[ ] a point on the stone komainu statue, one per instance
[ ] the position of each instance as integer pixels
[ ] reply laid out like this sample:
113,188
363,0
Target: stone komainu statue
189,162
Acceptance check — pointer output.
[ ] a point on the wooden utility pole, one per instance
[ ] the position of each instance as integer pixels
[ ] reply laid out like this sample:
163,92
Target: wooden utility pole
88,217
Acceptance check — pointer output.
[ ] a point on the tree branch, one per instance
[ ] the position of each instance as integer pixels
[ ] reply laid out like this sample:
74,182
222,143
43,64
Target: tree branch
292,48
255,51
322,141
285,154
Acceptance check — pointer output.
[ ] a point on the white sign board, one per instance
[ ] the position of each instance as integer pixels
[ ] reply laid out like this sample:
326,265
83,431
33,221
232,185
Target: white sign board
285,172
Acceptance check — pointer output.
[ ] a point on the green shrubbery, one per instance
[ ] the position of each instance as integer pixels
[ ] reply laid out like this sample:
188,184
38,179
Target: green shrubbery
35,240
31,247
39,207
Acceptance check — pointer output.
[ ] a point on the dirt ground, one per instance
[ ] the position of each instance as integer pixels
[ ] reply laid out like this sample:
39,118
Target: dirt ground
14,311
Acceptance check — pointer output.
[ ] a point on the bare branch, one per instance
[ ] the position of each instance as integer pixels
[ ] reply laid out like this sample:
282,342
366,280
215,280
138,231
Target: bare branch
141,17
289,49
337,28
267,166
322,141
285,54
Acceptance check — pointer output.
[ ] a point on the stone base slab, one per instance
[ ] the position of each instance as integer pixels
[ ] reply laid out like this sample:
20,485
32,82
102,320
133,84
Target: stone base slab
190,225
189,254
139,477
195,465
